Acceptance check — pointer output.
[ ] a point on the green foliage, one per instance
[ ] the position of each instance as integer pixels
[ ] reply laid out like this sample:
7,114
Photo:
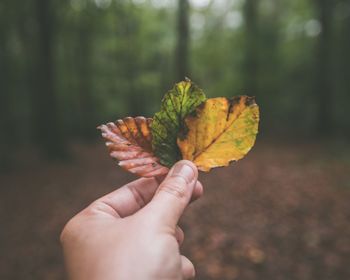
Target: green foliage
108,59
177,103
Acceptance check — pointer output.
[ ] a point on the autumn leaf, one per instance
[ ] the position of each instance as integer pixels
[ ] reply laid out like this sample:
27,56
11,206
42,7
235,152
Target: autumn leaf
211,132
176,105
221,130
130,142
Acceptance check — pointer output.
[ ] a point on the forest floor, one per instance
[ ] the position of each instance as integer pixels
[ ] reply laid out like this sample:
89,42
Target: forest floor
281,213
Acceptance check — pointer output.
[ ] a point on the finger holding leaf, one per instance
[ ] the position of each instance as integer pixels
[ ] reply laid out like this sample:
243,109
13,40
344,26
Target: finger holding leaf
209,132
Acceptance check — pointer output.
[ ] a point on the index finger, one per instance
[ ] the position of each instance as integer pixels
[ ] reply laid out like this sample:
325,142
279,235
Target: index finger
128,199
133,196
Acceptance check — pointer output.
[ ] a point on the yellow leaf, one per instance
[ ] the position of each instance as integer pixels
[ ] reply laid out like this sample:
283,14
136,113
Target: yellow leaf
220,131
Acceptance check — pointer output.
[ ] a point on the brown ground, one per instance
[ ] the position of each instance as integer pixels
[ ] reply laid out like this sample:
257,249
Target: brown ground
281,213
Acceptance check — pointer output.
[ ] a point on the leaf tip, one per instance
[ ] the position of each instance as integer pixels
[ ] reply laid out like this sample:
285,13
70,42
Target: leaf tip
250,100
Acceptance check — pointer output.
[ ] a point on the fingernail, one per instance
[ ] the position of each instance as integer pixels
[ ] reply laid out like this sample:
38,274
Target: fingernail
185,171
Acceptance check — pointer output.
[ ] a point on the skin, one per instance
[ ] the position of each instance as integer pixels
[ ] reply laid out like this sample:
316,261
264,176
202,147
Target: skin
132,233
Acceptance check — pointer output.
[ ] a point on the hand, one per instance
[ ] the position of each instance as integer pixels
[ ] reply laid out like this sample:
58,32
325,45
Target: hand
132,233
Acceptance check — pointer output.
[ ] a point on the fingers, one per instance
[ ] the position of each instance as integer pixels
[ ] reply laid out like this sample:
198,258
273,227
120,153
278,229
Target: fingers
128,199
187,267
197,192
174,193
198,189
179,234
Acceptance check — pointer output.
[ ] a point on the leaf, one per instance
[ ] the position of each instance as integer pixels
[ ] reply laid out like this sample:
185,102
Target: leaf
130,142
176,105
221,130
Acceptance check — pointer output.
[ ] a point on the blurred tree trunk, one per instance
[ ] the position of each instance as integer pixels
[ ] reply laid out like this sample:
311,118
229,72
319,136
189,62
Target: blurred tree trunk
323,85
136,101
84,54
182,48
48,132
6,122
344,70
250,11
128,56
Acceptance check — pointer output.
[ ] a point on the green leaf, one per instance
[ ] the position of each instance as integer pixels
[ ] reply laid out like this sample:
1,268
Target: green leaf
177,103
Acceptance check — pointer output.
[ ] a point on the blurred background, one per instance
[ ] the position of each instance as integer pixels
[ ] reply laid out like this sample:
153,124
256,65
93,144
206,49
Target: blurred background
67,66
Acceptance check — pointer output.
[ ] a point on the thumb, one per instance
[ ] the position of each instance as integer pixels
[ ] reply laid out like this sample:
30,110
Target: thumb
174,193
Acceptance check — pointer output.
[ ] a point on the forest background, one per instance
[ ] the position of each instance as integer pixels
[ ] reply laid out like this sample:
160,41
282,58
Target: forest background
67,66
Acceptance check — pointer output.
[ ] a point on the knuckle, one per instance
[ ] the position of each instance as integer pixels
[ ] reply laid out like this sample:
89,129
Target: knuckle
180,235
68,231
64,233
97,207
175,186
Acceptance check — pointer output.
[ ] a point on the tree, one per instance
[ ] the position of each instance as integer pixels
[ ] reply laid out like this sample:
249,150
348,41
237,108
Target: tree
182,59
45,104
323,82
128,49
251,47
84,55
6,123
343,63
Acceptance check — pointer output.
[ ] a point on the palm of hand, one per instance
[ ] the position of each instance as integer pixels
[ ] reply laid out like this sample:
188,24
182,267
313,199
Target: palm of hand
132,233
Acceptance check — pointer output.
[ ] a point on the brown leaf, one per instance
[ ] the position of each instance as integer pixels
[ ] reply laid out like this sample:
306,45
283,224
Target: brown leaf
129,141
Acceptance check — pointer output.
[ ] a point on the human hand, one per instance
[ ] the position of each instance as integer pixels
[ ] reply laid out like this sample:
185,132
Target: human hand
132,233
